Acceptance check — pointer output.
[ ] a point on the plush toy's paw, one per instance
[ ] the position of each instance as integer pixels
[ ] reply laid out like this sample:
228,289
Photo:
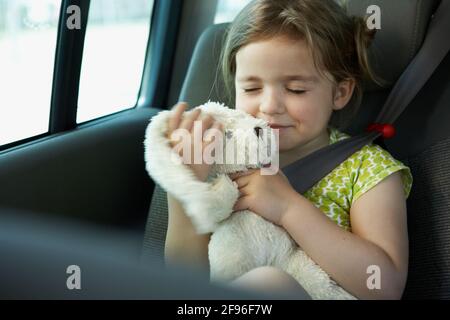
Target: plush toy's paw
226,193
209,208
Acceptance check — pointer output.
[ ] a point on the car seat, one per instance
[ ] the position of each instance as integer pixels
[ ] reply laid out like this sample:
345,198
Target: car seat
422,141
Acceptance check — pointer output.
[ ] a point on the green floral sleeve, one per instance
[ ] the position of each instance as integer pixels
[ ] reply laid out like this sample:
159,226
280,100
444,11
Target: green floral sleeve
374,165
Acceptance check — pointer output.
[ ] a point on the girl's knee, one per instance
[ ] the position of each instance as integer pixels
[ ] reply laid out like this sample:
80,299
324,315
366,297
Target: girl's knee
269,273
270,279
275,277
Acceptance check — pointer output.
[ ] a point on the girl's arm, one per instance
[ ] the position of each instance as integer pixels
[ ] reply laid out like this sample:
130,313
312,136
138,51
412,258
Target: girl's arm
379,238
183,245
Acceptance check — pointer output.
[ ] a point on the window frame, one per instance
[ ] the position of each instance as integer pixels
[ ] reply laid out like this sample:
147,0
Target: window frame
67,69
160,56
156,74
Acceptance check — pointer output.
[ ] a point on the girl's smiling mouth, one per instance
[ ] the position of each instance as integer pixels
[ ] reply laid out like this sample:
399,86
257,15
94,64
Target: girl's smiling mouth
278,126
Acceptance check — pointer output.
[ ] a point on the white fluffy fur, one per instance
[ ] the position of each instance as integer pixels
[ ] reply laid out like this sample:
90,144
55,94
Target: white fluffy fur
241,241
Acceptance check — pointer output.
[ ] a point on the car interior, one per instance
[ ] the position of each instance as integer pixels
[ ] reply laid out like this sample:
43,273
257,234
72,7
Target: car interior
94,172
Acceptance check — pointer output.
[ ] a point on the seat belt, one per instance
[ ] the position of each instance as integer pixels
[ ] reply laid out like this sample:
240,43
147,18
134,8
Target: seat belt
306,172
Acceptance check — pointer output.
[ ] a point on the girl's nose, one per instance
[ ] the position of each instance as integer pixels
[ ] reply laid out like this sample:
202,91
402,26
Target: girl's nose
272,102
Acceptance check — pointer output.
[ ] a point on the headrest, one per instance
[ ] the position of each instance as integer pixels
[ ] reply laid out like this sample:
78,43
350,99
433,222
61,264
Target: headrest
403,25
403,28
203,80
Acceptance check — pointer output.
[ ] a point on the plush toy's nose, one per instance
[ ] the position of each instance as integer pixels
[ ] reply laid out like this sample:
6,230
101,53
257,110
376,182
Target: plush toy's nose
258,131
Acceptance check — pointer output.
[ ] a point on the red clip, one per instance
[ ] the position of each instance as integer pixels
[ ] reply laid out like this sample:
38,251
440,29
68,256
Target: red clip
387,130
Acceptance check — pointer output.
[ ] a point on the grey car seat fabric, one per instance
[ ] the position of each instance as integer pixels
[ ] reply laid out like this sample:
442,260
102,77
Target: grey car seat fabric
395,45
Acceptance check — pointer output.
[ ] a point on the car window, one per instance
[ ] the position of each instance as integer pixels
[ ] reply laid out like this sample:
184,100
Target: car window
114,55
28,34
228,9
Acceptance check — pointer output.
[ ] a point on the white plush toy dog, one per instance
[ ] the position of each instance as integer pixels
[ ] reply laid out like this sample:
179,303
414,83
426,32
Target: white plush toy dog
243,240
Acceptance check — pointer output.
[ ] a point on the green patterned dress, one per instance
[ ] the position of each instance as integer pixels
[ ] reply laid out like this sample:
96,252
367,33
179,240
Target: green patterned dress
336,192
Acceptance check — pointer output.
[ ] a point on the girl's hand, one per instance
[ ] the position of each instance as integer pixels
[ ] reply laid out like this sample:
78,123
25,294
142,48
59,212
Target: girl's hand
185,120
266,195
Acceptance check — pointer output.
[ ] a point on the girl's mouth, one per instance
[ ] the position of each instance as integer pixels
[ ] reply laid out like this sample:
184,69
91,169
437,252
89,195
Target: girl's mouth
280,127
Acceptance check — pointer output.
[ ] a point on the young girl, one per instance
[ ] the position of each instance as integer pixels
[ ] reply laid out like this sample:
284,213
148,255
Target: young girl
299,64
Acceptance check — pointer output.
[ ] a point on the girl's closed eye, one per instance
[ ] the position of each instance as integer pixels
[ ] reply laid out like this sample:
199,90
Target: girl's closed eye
248,90
296,91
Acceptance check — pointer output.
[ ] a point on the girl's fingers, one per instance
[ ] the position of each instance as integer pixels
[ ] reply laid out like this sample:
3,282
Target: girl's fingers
175,118
237,175
234,176
207,122
241,204
188,121
216,126
241,183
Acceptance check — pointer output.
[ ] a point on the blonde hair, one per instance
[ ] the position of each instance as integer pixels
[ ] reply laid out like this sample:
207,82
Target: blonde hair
338,43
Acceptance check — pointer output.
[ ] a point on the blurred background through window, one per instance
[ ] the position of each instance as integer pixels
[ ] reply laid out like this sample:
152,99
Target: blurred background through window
228,9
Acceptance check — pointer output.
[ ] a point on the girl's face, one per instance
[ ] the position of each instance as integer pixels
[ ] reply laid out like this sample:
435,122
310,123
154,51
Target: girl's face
276,80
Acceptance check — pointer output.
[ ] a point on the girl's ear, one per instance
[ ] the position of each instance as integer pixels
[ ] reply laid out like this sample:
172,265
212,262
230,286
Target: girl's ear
343,93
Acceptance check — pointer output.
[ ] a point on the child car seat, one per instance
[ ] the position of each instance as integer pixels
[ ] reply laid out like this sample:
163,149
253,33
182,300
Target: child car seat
422,141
